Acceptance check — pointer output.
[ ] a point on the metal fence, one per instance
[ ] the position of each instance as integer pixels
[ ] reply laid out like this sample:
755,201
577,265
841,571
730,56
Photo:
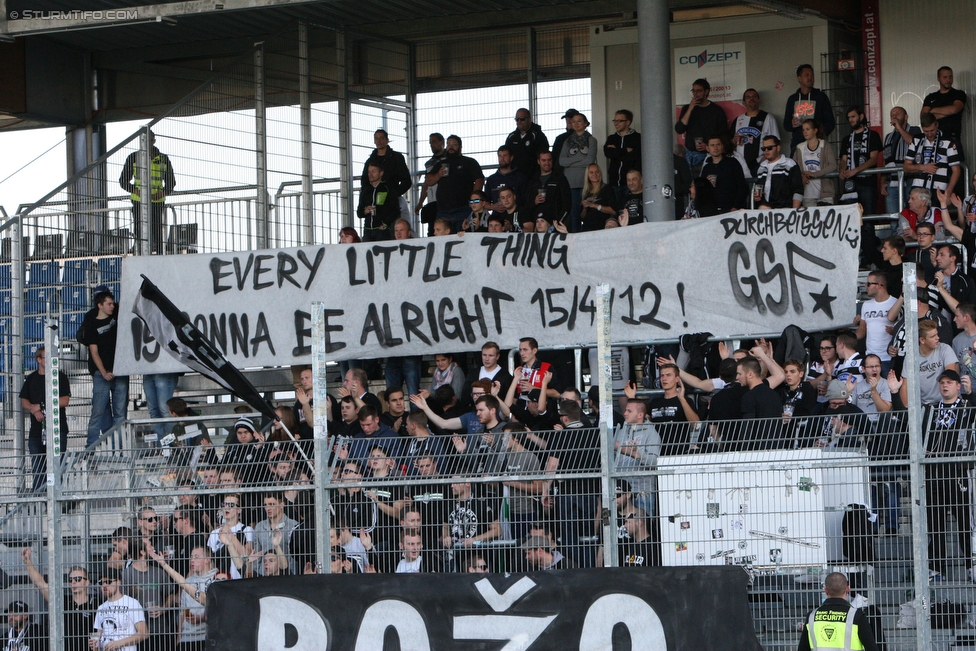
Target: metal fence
788,499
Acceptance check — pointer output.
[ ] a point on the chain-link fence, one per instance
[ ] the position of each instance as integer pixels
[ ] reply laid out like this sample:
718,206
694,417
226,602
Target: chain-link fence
788,499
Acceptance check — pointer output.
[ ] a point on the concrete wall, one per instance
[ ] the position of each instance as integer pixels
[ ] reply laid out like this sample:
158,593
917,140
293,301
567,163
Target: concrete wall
915,42
774,47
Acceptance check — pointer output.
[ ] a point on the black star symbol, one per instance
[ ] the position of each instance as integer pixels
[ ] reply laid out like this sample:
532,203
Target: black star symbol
822,301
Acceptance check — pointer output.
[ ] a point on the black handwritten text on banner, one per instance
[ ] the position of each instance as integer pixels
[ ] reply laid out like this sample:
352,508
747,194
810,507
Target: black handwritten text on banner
658,609
741,273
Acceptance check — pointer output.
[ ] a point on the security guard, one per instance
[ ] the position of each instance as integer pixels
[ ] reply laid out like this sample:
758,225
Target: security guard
162,181
837,624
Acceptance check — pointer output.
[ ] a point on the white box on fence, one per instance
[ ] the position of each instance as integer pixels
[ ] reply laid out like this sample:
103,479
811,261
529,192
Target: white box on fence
770,508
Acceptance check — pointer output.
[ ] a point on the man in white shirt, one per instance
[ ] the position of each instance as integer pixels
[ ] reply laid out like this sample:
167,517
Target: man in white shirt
872,323
231,543
120,622
490,369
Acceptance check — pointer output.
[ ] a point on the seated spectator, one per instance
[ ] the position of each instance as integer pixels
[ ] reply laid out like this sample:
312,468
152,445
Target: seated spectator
414,559
507,176
598,200
498,223
442,226
477,221
470,519
779,183
510,215
639,548
541,555
348,235
816,158
836,423
725,174
476,563
548,192
633,201
919,211
702,201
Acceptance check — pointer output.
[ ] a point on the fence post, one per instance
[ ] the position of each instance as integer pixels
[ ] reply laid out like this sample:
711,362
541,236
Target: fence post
260,148
305,114
321,437
144,244
910,371
608,510
52,428
347,179
17,339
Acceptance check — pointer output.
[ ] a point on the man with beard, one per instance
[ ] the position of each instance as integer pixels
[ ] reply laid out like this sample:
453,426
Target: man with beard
457,178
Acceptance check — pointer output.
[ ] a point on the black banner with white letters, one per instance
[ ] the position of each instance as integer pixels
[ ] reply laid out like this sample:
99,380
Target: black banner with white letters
653,609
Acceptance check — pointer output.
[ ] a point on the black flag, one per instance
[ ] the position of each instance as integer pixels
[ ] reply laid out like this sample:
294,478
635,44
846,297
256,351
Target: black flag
182,340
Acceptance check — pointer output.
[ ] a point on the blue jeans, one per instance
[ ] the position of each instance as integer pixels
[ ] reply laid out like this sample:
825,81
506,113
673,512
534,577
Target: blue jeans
399,369
456,215
109,403
159,388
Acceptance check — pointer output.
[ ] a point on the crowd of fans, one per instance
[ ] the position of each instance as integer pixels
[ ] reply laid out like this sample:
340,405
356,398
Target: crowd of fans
408,465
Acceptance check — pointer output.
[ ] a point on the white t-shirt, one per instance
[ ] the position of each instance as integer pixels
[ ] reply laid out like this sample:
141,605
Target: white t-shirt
196,632
117,620
215,544
875,317
811,163
930,367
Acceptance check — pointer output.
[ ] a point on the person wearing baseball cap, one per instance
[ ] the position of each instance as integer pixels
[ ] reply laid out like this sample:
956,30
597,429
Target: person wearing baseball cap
23,634
950,423
560,140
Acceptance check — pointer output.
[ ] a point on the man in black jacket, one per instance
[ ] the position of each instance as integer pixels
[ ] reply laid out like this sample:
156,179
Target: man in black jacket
623,152
779,183
527,142
394,166
547,194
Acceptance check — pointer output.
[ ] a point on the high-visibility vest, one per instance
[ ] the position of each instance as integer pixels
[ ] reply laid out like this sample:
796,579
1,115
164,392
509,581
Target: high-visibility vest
157,169
834,634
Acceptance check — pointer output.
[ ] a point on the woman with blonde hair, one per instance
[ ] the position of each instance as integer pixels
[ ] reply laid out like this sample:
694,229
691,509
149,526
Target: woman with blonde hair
816,158
598,201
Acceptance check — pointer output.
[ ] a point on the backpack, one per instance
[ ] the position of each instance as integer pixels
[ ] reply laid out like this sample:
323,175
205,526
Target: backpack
703,356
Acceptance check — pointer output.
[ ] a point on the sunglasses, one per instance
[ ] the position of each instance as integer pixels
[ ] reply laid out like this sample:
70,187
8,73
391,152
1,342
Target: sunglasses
768,147
75,579
481,566
151,518
108,581
475,201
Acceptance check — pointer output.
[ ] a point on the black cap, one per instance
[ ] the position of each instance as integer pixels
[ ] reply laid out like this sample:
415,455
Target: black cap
623,486
17,607
570,113
952,375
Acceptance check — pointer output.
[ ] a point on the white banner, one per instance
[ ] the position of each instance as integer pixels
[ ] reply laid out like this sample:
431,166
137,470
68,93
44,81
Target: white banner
742,273
722,64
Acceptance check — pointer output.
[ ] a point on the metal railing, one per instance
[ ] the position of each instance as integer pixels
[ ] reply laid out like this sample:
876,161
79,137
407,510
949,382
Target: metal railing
787,499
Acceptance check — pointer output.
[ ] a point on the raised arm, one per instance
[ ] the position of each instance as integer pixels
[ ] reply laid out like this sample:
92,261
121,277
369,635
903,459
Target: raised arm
35,576
443,423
